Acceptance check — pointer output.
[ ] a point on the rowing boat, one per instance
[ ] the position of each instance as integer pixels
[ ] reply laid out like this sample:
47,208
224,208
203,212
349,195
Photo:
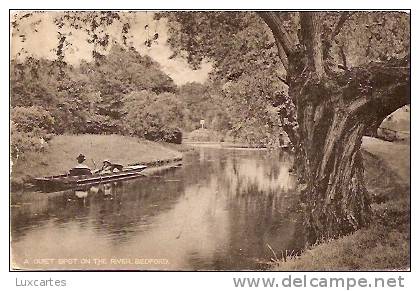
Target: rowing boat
60,182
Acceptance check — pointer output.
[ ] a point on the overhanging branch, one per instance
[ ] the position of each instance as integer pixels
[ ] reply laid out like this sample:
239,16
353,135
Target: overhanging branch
390,87
284,43
340,23
330,38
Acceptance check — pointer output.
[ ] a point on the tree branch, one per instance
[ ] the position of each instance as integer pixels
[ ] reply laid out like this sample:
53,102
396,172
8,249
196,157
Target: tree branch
311,35
344,58
330,38
343,18
390,91
282,55
282,37
390,82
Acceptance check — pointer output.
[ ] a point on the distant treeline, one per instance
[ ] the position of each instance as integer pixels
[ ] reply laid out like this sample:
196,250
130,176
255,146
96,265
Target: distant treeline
121,93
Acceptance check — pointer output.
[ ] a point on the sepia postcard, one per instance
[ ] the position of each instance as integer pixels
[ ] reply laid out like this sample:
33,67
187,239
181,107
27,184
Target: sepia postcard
266,140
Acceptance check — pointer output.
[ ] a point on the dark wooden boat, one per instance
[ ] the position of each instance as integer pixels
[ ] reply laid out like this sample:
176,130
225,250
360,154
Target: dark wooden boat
66,181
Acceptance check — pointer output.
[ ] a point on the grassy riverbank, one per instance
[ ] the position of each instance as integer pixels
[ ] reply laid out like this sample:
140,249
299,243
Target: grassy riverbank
384,245
61,152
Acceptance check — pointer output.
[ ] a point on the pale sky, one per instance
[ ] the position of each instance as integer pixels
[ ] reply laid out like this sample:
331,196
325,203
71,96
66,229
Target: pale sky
40,35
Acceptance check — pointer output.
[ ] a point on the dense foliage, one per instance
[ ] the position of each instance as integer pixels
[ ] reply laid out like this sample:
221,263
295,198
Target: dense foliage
248,70
247,97
124,93
153,116
90,98
30,128
49,97
344,73
204,102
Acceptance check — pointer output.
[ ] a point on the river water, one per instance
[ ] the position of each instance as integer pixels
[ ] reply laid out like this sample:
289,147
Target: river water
222,210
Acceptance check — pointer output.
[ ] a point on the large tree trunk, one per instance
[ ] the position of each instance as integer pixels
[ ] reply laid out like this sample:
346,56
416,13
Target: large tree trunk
330,163
331,126
331,168
333,113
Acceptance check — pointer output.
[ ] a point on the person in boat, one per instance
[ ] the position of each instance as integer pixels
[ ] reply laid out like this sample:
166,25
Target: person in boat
108,167
80,168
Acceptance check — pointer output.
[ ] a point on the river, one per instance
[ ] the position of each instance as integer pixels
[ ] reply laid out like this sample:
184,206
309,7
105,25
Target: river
224,209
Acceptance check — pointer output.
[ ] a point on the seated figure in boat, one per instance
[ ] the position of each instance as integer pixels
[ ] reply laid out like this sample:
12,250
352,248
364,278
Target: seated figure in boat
108,167
80,168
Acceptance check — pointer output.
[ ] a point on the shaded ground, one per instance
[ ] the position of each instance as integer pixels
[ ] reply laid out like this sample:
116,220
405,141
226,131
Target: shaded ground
61,152
385,244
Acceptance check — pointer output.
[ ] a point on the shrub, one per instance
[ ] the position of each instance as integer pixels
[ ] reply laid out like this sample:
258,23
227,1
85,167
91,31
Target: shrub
102,124
154,117
172,135
30,128
33,118
22,142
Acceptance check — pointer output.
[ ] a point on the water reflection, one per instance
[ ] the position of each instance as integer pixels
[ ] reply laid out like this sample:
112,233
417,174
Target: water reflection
221,210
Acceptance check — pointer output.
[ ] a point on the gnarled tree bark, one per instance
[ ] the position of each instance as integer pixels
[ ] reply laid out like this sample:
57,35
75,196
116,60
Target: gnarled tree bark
333,113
